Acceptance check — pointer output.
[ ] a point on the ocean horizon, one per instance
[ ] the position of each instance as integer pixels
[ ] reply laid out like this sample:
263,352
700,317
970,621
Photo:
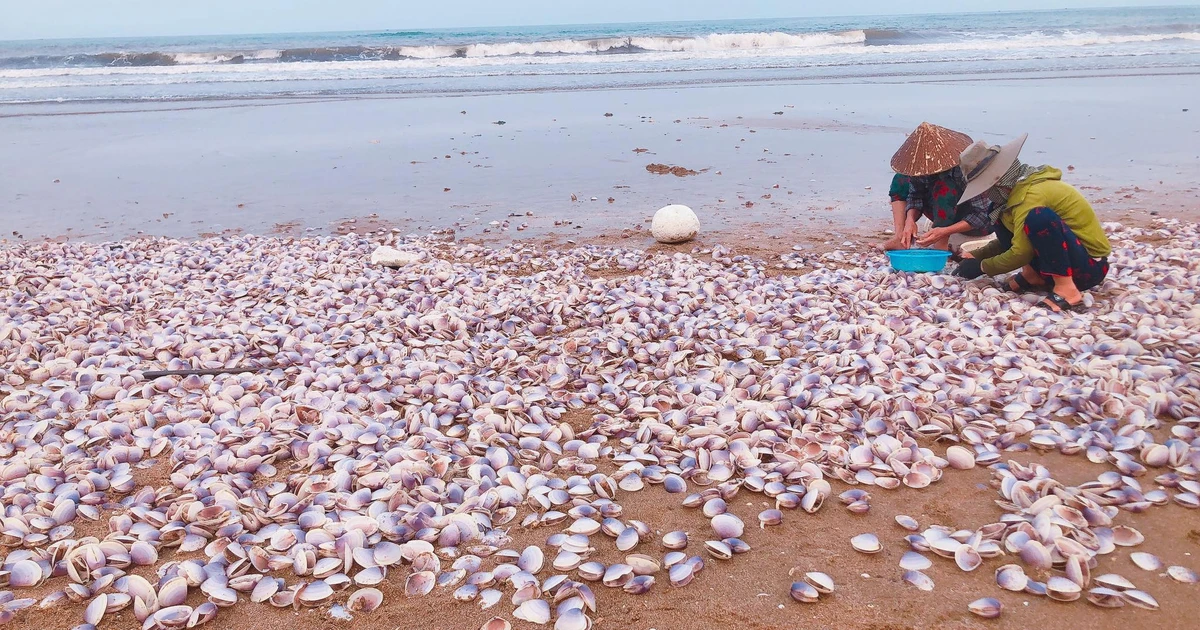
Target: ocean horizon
596,56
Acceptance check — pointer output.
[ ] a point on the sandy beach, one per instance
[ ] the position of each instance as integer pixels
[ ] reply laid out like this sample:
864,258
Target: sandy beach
544,367
750,589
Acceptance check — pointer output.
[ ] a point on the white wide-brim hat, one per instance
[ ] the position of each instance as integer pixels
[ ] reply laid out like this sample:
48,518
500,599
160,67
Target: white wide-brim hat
985,165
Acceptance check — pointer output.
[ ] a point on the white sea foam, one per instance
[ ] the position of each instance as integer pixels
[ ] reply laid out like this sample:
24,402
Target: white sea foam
571,56
225,57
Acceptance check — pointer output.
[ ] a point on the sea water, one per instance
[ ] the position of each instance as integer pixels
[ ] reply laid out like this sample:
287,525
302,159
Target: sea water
481,60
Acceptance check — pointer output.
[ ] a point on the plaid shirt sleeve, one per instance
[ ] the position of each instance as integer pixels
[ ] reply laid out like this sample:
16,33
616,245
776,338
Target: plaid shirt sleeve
977,213
918,191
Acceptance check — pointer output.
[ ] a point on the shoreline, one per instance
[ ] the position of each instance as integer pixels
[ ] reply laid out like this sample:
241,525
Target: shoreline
804,157
22,109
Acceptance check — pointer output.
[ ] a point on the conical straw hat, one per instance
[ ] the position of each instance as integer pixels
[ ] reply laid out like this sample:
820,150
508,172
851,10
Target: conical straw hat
928,150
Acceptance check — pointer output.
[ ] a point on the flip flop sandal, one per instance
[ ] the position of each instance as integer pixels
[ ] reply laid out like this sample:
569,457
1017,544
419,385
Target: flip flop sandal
1062,303
1023,285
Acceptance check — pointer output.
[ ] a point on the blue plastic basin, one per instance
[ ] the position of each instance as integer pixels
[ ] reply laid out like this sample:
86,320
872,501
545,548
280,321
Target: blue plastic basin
919,260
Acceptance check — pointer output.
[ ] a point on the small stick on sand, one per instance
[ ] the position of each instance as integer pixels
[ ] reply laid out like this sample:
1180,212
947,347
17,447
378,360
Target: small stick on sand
231,370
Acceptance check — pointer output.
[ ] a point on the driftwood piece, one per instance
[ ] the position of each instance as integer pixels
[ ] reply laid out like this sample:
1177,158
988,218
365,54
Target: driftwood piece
153,374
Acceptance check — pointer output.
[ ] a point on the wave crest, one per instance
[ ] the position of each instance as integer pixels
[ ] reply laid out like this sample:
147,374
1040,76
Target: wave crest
717,44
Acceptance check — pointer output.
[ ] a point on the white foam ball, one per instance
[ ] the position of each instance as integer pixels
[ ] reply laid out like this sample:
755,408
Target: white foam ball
392,257
675,224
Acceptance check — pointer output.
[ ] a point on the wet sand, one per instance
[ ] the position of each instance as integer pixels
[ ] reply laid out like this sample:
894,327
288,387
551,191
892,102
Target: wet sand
787,158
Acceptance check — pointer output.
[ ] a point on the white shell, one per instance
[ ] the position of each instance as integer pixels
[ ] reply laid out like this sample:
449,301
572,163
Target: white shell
960,457
866,543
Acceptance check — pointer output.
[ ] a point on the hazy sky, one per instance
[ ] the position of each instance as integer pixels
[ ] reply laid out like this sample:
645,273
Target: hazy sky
32,19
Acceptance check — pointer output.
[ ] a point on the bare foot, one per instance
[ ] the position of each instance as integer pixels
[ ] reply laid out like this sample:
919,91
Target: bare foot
891,244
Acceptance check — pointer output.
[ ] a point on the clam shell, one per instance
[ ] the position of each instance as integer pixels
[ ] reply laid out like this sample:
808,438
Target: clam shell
718,549
96,609
364,600
419,583
489,597
1011,577
535,611
1114,581
25,573
986,607
714,507
675,540
567,561
573,619
918,579
737,545
1123,536
960,457
202,614
387,554
727,526
967,558
525,593
617,575
1063,590
584,526
1141,599
532,560
643,564
674,484
1146,561
681,574
866,543
319,592
173,592
466,593
820,581
913,561
1105,597
496,623
1182,574
804,592
628,539
1078,572
172,616
1036,555
639,584
592,571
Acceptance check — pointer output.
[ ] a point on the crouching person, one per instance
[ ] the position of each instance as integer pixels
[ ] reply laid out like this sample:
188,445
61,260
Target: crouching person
1044,227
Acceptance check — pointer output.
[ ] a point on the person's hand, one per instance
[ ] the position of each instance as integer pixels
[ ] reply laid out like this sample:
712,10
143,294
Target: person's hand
970,269
910,231
964,254
932,236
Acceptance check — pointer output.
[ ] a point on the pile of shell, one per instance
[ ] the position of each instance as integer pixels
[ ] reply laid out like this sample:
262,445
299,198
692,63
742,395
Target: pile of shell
402,422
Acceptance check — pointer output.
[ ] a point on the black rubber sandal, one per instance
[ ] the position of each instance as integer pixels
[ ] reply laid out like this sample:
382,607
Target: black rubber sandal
1023,285
1063,305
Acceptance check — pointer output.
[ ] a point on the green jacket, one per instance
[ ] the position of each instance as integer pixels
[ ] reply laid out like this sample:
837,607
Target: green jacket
1044,188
